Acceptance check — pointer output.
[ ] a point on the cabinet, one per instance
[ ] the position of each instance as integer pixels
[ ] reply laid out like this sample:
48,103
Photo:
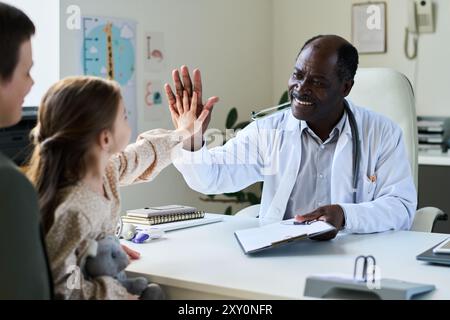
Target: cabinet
434,185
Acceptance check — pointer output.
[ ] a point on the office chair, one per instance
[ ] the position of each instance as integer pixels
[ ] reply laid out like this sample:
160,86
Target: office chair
24,267
390,93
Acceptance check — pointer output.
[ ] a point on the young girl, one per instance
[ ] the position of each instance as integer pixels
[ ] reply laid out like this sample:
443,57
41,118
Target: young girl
80,158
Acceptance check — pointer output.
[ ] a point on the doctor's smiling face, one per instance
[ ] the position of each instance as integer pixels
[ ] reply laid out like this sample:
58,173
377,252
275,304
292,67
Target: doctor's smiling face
322,78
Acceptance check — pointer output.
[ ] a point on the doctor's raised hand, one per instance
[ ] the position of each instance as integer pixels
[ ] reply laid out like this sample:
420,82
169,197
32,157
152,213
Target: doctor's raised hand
184,85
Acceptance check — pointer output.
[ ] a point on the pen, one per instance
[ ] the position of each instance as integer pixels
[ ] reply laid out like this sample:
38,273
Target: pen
298,223
305,222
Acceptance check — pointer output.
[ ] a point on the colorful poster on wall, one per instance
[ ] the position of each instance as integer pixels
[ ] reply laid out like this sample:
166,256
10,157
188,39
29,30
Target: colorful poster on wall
155,106
109,51
155,54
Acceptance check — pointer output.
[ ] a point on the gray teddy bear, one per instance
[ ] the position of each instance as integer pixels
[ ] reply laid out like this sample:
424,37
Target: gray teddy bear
109,259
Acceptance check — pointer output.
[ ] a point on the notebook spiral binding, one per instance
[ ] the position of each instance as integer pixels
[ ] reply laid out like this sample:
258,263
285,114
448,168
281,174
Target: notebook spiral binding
160,219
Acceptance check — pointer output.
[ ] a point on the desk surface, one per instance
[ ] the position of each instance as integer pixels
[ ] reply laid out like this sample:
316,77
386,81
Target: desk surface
207,262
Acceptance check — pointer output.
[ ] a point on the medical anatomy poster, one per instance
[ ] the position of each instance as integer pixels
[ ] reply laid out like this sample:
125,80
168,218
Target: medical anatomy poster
109,51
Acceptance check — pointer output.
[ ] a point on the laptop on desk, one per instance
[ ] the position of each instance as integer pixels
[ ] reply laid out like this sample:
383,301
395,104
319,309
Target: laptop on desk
434,257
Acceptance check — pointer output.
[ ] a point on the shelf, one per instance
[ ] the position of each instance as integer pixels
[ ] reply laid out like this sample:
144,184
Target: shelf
434,158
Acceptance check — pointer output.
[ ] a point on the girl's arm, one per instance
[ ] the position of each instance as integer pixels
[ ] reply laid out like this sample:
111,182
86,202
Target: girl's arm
145,159
152,152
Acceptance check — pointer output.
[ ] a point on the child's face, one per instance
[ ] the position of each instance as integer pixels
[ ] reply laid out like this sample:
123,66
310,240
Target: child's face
14,91
122,130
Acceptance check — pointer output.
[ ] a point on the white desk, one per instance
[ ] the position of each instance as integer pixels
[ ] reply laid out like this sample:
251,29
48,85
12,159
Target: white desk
207,262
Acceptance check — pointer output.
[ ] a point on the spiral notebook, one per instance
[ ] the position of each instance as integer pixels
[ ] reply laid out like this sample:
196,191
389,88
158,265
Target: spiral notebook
173,226
160,215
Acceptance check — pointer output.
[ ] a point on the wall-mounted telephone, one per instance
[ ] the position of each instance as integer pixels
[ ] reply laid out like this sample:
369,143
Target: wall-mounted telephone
420,20
420,16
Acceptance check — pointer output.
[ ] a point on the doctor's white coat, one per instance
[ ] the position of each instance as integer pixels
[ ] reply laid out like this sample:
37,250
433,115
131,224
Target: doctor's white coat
269,150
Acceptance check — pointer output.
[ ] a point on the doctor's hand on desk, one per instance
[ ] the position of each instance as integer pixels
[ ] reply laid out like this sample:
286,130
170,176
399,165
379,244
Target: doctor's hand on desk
332,214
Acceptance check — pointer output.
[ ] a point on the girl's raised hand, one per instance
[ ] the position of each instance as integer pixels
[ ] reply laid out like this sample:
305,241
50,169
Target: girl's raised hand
187,120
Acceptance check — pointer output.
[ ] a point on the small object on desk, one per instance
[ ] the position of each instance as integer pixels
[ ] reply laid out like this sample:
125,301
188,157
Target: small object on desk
160,211
158,231
178,225
159,215
297,223
153,233
128,231
273,235
319,286
443,248
434,257
366,264
140,237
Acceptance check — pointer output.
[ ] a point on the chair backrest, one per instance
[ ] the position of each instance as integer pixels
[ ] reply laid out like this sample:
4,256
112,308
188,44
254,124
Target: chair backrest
251,212
390,93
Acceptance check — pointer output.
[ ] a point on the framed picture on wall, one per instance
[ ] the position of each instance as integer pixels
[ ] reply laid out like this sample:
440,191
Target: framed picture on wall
369,27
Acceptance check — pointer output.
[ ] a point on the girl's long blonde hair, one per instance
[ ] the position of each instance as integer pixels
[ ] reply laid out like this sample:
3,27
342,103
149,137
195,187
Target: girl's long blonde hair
72,114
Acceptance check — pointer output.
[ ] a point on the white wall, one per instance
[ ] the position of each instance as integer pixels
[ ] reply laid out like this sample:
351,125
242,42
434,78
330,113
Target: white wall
246,50
231,41
295,21
45,44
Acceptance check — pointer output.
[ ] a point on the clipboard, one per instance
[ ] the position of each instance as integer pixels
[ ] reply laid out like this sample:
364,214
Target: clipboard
278,234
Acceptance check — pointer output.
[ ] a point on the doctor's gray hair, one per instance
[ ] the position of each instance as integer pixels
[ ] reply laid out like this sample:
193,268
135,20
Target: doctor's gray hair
348,58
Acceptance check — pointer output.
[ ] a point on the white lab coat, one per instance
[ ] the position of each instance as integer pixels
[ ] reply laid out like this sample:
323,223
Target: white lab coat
270,150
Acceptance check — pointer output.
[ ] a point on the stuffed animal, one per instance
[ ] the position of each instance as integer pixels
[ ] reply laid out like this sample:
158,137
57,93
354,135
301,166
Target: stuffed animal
107,258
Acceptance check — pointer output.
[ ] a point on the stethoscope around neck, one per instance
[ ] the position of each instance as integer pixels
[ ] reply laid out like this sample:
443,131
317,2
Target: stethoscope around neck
355,138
